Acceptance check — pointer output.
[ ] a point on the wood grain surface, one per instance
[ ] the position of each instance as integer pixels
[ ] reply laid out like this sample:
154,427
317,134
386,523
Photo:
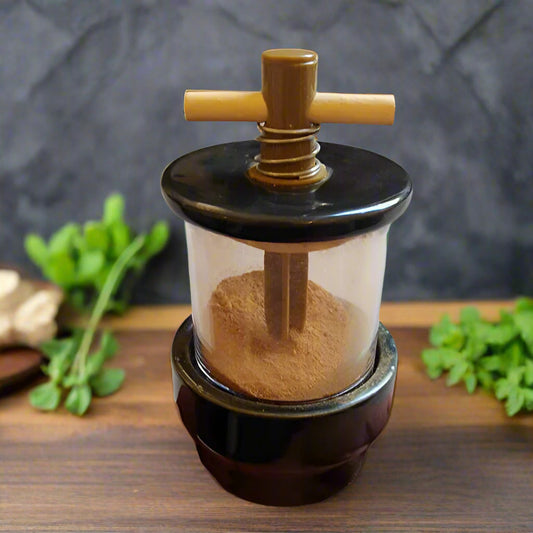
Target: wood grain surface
446,460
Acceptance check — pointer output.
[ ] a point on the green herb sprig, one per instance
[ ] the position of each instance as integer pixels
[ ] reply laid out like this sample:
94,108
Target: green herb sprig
496,356
71,369
79,258
90,263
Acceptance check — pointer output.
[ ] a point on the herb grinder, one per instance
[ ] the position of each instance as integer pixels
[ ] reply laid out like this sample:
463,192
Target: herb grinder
284,376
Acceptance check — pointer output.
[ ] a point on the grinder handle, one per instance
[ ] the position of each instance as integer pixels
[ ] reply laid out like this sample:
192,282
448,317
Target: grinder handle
249,106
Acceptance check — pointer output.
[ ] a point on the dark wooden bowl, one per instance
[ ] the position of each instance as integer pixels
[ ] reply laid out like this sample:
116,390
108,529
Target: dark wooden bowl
18,366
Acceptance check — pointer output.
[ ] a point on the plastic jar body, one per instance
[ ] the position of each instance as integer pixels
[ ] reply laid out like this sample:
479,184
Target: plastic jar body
335,293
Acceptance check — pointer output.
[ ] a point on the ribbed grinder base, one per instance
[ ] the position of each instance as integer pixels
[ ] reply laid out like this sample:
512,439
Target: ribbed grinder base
277,453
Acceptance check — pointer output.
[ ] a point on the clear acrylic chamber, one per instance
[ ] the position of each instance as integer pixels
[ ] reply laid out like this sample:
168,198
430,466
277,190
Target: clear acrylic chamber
286,321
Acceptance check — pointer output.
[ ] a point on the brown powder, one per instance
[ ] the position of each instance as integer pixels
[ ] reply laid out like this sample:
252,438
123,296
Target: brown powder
310,364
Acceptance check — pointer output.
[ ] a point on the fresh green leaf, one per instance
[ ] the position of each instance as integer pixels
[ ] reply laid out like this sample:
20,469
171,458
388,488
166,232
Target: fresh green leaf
434,372
447,334
61,353
474,348
502,388
457,372
62,240
60,269
524,323
513,357
45,397
89,265
56,347
71,380
432,357
108,344
78,399
500,335
36,249
515,375
120,237
108,347
469,315
156,240
470,380
439,359
113,209
101,277
506,317
449,357
491,363
118,307
524,304
515,401
528,399
58,366
107,381
528,373
96,236
79,244
93,365
485,379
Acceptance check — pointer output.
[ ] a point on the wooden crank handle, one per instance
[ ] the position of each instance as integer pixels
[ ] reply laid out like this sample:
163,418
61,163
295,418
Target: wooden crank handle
231,106
353,108
249,106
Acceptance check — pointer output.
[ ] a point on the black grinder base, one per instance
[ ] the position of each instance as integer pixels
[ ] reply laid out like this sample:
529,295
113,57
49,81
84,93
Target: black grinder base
280,453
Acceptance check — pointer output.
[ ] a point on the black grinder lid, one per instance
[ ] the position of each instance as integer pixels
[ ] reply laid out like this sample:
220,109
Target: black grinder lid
277,190
211,188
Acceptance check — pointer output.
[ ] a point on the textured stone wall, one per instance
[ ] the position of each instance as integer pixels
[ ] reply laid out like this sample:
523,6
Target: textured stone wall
90,102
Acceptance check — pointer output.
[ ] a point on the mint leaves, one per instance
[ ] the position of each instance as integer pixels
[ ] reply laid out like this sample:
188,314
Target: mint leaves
495,356
107,381
71,368
90,263
78,257
46,397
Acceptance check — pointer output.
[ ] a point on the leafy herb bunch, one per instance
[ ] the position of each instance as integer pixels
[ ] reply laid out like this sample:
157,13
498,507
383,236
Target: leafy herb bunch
497,356
79,258
90,264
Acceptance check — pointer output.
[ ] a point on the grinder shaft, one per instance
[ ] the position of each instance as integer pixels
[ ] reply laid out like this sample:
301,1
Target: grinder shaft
285,292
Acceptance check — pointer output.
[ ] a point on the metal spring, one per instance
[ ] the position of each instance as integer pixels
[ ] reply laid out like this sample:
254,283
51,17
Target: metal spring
304,134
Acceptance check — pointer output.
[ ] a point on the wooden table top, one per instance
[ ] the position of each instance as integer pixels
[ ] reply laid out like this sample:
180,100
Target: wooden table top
445,460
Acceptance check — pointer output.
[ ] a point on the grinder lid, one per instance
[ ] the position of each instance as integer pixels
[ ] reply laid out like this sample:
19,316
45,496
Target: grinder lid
211,188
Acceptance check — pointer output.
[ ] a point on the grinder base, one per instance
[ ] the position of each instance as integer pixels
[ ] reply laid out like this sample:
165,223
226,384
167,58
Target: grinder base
277,453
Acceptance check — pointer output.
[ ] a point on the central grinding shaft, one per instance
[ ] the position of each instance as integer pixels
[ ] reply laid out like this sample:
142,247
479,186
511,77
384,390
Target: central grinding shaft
287,159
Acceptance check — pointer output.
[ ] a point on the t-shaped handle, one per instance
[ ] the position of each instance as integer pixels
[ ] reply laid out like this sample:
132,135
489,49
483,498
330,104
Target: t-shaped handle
288,111
250,106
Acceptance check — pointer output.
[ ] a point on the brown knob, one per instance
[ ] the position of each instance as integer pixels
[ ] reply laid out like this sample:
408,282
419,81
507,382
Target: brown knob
289,87
288,141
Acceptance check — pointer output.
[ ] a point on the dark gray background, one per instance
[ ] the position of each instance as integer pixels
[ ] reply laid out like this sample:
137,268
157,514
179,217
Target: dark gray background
90,102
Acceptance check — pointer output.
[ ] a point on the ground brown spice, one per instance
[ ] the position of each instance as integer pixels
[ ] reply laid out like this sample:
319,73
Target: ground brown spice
310,364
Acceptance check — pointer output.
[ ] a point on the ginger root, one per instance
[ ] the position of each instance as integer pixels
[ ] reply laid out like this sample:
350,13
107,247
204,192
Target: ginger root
27,310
